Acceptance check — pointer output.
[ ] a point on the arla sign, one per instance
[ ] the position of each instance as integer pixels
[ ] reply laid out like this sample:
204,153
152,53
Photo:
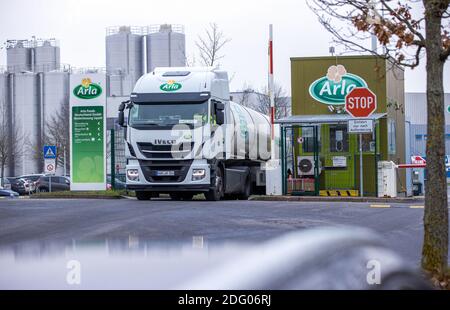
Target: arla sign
334,87
87,89
170,86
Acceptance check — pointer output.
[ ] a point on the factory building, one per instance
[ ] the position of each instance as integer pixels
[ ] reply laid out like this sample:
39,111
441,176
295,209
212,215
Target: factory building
34,84
416,134
33,87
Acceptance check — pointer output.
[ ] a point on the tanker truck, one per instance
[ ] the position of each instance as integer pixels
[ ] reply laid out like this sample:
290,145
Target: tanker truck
184,136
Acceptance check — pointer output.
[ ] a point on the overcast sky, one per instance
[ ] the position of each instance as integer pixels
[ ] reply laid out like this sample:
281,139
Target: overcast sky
80,27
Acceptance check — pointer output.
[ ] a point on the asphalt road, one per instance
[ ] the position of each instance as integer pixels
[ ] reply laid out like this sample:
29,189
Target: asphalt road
24,221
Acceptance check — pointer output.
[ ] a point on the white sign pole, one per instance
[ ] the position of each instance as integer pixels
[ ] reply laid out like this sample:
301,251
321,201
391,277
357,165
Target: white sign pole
361,167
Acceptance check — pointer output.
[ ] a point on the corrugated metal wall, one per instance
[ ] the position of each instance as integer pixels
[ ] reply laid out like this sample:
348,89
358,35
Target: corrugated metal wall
416,114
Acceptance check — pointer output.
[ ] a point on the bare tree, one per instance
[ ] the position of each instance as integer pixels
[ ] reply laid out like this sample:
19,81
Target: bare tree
281,101
404,39
211,44
244,96
10,142
57,133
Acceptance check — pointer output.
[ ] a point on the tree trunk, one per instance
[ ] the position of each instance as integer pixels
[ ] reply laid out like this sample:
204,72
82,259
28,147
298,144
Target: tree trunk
3,174
435,244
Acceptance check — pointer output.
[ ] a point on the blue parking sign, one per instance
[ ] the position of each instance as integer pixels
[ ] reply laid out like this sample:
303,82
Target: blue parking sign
49,151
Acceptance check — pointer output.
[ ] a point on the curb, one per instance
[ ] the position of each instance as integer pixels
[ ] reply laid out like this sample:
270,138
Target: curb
78,197
338,199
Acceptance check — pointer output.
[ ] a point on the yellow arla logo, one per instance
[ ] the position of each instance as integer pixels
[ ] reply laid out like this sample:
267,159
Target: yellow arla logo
171,85
87,89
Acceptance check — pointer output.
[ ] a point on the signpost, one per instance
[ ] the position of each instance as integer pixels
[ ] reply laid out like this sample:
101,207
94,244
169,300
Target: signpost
87,131
360,103
49,163
360,126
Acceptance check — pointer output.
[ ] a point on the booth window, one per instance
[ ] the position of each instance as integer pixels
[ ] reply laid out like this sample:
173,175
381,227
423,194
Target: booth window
368,144
308,139
338,139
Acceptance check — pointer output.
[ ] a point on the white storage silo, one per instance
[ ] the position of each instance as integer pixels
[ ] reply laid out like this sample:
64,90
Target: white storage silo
46,55
56,94
18,56
3,95
26,118
124,58
166,46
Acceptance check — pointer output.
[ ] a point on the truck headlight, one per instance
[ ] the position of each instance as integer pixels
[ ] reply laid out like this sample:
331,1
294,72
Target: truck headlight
133,174
198,174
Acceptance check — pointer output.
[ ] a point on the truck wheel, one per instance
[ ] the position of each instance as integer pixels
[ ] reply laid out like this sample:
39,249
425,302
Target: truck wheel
141,195
247,190
216,192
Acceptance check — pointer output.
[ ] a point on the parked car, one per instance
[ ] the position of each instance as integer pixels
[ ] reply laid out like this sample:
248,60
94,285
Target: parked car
8,193
32,179
19,185
58,184
5,184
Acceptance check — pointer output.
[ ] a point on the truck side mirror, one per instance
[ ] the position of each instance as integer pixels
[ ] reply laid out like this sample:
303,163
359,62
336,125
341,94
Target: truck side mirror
220,112
121,117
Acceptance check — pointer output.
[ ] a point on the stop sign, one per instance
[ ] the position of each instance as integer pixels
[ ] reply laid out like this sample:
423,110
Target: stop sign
360,102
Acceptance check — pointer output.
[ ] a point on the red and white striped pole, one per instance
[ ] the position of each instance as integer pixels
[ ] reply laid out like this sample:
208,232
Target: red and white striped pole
271,90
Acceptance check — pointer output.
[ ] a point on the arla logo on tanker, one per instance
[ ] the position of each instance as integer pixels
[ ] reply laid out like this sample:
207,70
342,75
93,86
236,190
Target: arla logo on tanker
334,87
87,89
171,85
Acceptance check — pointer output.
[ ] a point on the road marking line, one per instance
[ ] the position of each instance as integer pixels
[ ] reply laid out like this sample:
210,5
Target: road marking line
380,206
416,207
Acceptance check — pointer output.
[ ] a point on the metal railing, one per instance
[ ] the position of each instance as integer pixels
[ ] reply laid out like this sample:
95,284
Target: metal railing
144,30
31,43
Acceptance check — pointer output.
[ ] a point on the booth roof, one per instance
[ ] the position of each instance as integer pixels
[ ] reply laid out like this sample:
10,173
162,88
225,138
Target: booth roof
323,119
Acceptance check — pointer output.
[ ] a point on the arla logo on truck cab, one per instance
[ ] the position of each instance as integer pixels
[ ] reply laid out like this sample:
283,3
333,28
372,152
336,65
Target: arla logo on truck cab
171,85
332,88
87,89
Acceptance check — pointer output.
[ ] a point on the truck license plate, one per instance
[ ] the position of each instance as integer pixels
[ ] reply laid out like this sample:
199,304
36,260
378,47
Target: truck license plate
162,173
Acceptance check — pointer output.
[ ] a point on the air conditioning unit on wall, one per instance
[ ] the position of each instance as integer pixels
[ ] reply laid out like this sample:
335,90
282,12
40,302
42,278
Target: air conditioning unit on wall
305,165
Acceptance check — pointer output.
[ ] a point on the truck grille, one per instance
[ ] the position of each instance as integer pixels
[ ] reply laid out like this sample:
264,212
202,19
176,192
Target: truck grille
152,168
150,150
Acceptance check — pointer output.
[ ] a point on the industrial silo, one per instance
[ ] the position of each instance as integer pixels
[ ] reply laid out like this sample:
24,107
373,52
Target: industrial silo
18,55
26,119
124,58
46,55
56,96
166,46
3,95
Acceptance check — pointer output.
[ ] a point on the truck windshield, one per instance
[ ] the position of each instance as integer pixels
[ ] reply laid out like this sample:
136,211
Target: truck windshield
193,114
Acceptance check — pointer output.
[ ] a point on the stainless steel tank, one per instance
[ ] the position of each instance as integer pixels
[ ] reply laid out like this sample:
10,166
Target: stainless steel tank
26,118
4,124
56,95
124,58
166,46
46,55
18,55
120,85
252,133
3,96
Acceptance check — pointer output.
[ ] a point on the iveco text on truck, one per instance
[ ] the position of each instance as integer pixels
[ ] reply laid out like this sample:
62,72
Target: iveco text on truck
185,136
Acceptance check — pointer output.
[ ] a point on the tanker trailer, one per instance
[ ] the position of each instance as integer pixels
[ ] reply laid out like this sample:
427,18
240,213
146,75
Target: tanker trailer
184,137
